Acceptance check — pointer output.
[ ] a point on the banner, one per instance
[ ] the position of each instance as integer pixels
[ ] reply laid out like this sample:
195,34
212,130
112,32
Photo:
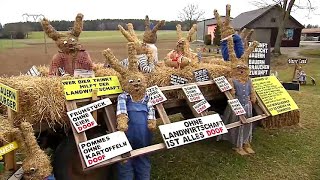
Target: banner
82,88
273,95
192,130
259,60
9,97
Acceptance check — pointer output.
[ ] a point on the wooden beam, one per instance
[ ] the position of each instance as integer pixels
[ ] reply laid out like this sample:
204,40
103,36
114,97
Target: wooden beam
241,117
94,99
175,87
162,113
17,175
10,158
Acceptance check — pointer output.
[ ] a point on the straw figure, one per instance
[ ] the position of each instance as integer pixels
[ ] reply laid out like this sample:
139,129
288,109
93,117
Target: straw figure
242,89
181,56
135,114
147,53
71,55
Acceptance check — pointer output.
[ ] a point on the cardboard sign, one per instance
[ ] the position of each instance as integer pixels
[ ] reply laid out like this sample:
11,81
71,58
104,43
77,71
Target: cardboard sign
155,95
83,73
176,80
201,75
82,88
236,107
273,95
297,61
33,71
8,148
193,93
259,60
192,130
104,147
9,97
82,118
201,106
222,83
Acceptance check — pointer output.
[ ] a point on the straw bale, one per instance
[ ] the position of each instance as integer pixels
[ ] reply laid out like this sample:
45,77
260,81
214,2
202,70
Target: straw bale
100,70
282,120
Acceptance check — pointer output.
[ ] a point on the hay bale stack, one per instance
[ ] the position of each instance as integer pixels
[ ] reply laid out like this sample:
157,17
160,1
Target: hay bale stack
101,71
282,120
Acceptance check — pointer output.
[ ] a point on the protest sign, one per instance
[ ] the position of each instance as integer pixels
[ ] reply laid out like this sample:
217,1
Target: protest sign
201,106
105,147
82,118
192,130
176,80
83,88
297,61
259,60
193,93
201,75
9,97
155,95
222,83
236,107
273,95
8,148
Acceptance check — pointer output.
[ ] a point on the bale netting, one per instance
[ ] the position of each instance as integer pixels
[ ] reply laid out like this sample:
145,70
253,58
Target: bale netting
285,119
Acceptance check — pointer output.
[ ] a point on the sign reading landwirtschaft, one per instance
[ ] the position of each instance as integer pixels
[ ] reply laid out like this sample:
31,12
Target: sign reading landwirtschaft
83,88
192,130
259,60
9,97
104,147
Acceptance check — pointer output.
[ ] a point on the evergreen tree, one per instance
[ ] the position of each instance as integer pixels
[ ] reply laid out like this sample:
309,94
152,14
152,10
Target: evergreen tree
217,36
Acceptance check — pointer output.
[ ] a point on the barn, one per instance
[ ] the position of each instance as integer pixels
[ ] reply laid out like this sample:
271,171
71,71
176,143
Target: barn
207,26
264,21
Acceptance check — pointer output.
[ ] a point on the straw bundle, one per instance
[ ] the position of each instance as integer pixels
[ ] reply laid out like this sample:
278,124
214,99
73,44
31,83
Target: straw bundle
282,120
100,70
5,129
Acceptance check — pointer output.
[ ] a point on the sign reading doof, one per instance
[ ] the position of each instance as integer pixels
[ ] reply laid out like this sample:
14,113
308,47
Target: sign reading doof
104,147
82,88
9,97
273,95
192,130
193,93
201,106
82,118
8,148
155,95
236,107
222,83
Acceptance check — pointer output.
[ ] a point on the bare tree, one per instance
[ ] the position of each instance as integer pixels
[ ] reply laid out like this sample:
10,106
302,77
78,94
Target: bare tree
286,6
190,14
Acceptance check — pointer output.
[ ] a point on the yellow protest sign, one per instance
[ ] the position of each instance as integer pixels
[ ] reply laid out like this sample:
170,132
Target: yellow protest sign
83,88
273,95
8,148
9,97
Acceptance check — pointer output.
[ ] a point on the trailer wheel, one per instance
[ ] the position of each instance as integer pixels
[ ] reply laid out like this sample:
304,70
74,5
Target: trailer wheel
67,164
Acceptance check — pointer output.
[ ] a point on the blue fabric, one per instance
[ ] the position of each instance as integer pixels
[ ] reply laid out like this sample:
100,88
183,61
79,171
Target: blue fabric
151,25
243,91
139,136
51,177
238,47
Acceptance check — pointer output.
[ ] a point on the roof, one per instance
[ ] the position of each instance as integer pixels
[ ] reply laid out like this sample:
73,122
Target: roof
214,21
310,30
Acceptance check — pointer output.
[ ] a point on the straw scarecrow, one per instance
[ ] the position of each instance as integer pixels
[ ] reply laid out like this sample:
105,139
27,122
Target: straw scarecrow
135,114
71,55
242,90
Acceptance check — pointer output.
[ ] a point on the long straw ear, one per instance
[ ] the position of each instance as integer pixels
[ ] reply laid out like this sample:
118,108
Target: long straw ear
147,23
228,12
159,25
78,25
218,19
113,61
133,62
191,32
232,54
125,34
49,30
179,31
247,38
132,32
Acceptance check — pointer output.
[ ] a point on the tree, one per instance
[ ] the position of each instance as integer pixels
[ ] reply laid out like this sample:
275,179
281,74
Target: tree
190,14
217,36
0,26
286,7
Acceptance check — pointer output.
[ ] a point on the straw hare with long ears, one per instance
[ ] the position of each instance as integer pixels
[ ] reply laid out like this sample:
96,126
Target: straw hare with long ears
182,56
132,81
71,55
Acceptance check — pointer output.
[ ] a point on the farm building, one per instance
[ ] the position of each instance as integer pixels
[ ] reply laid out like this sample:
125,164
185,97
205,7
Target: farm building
312,34
264,22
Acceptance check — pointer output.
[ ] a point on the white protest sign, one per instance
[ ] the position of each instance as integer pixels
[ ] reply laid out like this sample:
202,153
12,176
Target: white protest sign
155,95
236,107
192,130
82,119
222,83
104,147
201,106
33,71
193,93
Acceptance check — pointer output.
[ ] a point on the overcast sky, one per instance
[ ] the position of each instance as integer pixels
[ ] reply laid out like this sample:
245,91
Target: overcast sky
12,10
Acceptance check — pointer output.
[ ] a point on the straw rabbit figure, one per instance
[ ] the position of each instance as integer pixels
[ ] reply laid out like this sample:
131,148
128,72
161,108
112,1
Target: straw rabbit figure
181,56
71,55
242,87
135,114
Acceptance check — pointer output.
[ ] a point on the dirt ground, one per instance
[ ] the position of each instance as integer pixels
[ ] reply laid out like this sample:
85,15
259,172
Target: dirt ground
20,60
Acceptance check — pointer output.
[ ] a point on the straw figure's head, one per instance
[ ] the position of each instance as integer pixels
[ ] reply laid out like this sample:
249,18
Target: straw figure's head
67,42
150,33
132,80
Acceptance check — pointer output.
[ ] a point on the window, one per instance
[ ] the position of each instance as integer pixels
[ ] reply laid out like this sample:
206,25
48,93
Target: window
273,19
288,34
